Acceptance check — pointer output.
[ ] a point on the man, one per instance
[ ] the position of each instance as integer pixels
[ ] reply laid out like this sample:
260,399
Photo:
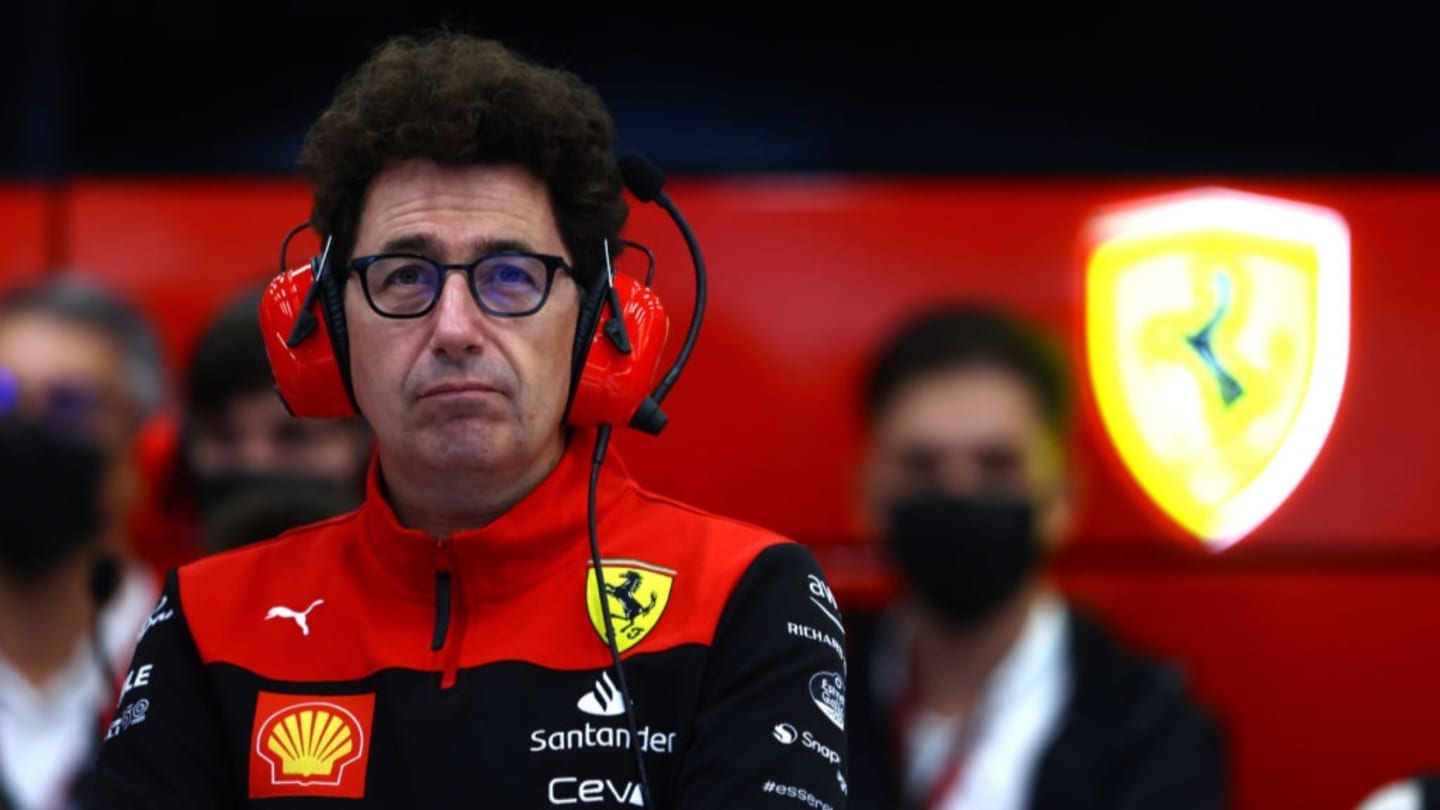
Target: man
982,688
79,373
242,456
445,645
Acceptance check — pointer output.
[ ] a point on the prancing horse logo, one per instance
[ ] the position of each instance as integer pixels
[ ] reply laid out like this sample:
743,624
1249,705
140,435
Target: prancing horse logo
1203,342
634,599
1217,333
624,593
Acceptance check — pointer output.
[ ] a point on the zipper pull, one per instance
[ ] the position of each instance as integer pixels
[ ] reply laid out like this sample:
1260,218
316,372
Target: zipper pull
442,595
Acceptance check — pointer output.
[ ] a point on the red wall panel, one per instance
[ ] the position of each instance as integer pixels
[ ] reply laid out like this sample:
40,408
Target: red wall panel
25,232
181,248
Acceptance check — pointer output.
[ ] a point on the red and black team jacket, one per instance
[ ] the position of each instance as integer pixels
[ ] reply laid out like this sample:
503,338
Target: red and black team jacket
359,663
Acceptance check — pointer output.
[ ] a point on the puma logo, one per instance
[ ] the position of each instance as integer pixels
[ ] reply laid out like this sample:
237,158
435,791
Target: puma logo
282,612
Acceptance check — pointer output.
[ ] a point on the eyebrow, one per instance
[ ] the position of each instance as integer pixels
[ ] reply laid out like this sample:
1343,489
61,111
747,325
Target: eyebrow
427,245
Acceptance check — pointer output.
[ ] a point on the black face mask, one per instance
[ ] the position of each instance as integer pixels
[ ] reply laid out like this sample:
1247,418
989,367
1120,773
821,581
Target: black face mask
243,507
964,556
49,496
213,491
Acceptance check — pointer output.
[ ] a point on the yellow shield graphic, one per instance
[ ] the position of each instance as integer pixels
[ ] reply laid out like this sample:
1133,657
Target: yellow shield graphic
636,594
1217,336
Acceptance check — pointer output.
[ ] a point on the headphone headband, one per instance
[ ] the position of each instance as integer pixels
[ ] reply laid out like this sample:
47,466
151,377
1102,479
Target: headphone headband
620,335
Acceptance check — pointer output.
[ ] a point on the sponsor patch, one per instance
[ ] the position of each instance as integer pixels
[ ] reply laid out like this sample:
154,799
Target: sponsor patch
636,594
131,715
310,745
827,690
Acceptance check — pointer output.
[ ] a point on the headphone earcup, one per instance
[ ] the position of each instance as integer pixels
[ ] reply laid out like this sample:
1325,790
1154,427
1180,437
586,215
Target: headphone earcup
592,300
611,385
300,326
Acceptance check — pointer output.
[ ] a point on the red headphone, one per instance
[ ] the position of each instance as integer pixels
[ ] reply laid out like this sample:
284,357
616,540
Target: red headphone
620,337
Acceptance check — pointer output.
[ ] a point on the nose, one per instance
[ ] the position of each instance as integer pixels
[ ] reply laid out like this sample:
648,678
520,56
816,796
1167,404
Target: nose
459,323
958,475
257,452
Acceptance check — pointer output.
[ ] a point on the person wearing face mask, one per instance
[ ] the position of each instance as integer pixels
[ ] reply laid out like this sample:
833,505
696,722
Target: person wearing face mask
79,372
242,460
981,687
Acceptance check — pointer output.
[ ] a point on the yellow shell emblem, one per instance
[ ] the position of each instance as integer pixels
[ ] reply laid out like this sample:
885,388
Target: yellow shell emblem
312,740
636,594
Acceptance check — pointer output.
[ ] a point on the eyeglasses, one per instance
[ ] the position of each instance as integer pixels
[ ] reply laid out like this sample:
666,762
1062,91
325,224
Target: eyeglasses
510,284
67,409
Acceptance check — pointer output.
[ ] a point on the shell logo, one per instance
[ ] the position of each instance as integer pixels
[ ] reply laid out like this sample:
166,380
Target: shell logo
310,745
315,740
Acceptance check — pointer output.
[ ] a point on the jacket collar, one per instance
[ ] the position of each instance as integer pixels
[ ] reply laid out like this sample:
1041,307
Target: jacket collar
546,530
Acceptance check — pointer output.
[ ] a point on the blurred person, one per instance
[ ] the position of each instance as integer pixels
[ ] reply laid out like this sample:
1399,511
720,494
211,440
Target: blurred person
263,512
981,687
79,373
1418,792
509,620
238,440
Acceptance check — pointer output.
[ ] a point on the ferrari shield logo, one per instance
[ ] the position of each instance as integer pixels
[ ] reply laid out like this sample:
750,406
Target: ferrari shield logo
636,594
1217,333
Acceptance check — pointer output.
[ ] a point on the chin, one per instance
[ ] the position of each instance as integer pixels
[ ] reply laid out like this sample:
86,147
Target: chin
471,450
470,442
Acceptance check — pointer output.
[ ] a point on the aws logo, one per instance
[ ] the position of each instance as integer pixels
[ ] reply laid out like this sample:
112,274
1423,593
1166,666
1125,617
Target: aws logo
636,594
310,745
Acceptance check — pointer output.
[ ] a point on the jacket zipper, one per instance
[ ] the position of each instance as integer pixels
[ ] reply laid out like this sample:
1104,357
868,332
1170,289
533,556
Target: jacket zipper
449,610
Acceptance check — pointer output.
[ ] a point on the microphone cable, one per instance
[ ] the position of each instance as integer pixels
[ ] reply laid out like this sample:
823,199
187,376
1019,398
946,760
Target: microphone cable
602,441
646,182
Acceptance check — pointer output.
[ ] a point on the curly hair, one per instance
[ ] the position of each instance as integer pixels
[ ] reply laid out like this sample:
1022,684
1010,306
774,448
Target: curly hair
458,100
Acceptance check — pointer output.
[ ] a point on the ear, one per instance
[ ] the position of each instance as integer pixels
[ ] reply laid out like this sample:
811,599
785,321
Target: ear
866,514
1057,514
121,492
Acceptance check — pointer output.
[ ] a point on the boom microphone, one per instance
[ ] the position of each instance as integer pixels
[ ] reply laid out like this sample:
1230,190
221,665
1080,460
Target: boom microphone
647,182
643,178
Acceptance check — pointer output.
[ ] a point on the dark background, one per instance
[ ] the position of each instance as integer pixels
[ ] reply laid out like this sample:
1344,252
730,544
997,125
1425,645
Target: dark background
707,88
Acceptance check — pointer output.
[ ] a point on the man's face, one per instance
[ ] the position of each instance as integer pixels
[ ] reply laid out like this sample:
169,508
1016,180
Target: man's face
72,377
971,432
252,433
457,389
69,374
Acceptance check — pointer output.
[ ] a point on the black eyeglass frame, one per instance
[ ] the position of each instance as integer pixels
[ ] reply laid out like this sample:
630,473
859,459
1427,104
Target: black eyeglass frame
361,266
